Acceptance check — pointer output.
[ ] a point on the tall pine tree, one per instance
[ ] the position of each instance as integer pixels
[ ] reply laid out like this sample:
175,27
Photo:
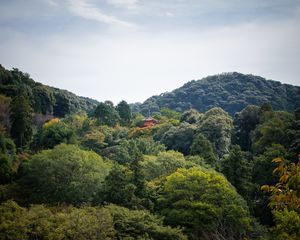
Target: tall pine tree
21,121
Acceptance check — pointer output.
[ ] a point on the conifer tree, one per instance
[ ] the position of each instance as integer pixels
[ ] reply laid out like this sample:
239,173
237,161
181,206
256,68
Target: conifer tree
21,121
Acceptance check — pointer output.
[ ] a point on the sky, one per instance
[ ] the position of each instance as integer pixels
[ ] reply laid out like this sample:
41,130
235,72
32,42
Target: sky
133,49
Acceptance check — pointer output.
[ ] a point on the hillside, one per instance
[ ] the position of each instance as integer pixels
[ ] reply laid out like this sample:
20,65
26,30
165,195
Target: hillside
44,99
230,91
189,176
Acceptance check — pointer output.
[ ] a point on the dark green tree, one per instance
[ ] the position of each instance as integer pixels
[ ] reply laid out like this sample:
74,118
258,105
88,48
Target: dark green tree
191,116
272,129
179,138
106,114
202,146
118,187
238,170
217,127
21,121
124,112
62,105
43,99
138,178
6,172
244,123
263,174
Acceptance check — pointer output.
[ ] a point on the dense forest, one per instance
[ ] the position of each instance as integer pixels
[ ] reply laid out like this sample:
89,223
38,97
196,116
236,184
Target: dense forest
230,91
74,168
43,99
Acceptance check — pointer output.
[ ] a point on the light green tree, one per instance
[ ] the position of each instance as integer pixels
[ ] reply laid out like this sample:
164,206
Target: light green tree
205,203
65,174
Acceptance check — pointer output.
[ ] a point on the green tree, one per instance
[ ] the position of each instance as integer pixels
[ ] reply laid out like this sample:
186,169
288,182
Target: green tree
138,176
217,127
191,116
244,123
285,200
286,192
163,164
263,165
106,114
263,174
170,114
118,187
287,225
43,99
40,222
202,146
83,223
4,114
13,224
53,133
238,170
179,138
140,224
6,172
271,131
65,174
124,112
205,203
21,121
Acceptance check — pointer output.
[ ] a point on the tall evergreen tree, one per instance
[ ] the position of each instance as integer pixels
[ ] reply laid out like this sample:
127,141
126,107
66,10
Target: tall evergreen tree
124,111
21,121
238,170
202,146
106,114
138,178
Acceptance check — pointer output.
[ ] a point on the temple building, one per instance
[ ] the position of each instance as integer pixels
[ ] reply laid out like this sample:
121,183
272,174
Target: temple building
149,122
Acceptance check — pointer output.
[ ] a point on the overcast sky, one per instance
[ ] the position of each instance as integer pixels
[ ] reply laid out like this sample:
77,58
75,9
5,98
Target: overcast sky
133,49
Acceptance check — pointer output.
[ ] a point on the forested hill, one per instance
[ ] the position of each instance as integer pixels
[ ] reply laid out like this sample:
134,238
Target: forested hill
44,99
230,91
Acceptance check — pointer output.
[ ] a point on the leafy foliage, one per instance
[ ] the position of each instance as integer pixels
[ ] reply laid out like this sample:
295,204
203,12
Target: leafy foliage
21,119
39,222
285,193
106,114
53,133
180,185
65,174
179,138
216,126
124,112
238,170
230,91
202,146
205,203
244,124
163,164
43,99
141,225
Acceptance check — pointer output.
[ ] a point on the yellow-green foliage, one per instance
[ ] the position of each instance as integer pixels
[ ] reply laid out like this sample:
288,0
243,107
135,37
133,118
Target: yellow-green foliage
205,203
64,174
40,222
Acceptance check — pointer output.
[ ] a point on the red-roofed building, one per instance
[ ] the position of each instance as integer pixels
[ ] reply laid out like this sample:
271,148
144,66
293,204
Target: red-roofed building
149,122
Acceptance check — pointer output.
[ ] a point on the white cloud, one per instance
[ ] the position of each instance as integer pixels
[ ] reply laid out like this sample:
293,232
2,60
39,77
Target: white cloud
86,10
134,65
52,2
169,14
137,65
131,4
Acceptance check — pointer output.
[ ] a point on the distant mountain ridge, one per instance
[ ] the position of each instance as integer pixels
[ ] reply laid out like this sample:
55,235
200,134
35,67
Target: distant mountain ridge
44,99
230,91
